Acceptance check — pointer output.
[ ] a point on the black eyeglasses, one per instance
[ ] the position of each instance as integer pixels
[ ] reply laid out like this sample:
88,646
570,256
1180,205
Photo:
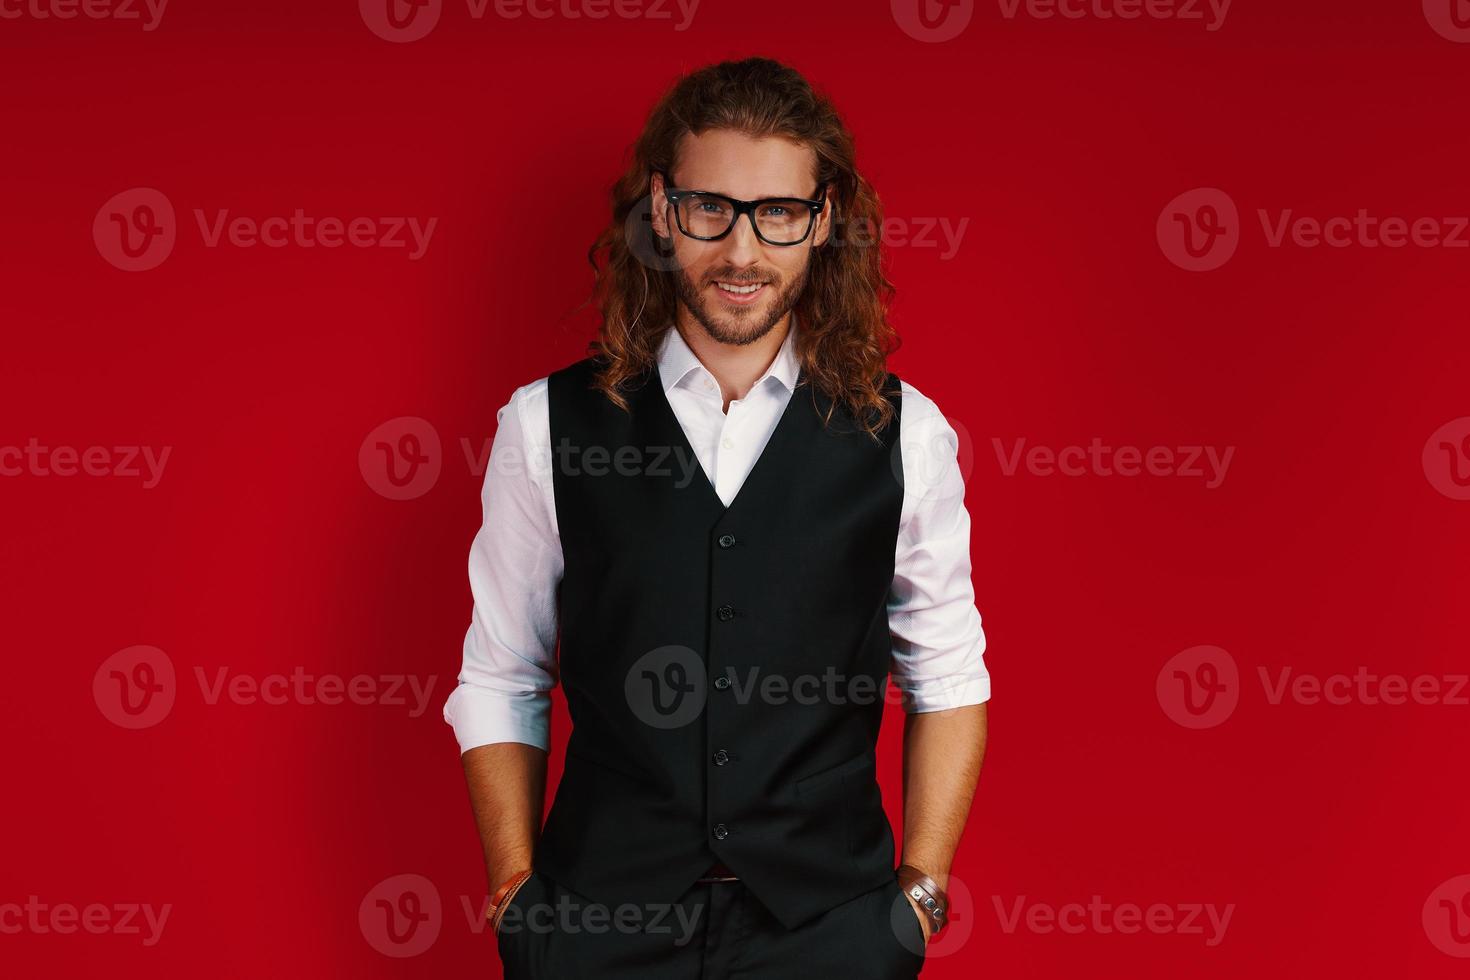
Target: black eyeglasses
709,217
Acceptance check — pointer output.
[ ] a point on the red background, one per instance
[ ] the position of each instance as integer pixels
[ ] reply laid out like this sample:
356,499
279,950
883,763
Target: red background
264,549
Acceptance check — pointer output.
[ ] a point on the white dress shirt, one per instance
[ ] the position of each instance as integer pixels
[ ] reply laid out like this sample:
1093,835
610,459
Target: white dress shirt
509,668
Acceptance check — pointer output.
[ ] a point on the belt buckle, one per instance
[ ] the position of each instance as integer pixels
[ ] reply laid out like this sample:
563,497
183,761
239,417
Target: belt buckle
715,874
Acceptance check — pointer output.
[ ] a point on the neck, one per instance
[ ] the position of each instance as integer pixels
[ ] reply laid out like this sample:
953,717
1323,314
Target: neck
736,367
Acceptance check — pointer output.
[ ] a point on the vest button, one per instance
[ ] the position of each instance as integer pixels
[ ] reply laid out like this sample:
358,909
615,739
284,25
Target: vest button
721,757
721,831
727,541
722,682
726,612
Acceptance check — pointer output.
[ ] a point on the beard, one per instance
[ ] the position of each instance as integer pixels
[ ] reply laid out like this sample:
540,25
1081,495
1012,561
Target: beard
734,326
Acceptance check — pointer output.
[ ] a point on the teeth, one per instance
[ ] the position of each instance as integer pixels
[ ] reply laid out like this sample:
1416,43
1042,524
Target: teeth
740,289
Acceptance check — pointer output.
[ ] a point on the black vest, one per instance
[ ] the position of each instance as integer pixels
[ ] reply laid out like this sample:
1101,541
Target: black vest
724,668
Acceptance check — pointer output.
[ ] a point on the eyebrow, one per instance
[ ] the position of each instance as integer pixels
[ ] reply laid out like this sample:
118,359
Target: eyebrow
736,197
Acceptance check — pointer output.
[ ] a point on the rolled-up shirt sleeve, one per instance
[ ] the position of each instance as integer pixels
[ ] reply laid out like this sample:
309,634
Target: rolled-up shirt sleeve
509,665
938,643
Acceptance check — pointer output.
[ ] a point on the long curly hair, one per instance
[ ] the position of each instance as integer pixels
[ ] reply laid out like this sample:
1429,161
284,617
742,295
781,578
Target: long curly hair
843,337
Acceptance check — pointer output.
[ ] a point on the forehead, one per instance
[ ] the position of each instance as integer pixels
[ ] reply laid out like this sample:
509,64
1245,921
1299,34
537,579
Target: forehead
744,167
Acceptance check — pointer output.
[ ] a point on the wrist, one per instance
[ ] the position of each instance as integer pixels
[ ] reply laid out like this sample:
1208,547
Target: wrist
500,898
928,896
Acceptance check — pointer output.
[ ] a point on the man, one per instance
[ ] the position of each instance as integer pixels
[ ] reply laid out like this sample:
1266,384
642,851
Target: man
740,524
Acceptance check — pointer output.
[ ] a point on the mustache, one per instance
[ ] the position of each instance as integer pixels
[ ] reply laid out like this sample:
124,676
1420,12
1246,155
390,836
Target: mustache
743,280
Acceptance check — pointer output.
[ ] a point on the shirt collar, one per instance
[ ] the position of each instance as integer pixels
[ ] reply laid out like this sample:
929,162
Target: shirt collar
676,361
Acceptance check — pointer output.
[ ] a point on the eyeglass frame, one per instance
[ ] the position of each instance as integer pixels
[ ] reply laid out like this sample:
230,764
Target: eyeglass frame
673,194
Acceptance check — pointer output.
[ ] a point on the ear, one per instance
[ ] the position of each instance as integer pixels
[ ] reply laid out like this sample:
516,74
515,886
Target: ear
824,221
658,206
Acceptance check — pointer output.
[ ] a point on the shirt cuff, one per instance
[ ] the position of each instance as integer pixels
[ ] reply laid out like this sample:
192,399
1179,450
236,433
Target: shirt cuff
484,716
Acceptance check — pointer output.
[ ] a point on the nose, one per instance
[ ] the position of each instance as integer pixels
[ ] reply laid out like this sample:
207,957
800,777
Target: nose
742,246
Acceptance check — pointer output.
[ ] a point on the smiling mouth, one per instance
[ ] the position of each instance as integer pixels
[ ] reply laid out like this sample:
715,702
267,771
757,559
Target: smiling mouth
742,290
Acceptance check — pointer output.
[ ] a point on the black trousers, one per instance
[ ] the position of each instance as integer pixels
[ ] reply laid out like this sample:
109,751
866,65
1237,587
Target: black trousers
713,932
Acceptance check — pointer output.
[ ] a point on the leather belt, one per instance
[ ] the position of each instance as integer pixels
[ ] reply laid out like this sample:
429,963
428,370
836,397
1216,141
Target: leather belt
717,873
